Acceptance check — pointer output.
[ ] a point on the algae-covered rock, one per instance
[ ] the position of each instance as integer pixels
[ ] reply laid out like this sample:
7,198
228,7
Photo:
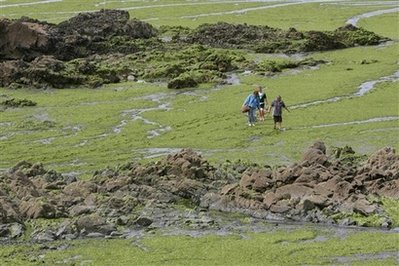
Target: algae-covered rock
182,81
18,103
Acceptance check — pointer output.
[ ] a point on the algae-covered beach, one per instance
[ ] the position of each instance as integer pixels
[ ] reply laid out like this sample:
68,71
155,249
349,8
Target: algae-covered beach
122,141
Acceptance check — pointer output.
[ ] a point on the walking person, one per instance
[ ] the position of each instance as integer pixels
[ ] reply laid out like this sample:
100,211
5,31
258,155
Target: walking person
278,106
263,103
252,101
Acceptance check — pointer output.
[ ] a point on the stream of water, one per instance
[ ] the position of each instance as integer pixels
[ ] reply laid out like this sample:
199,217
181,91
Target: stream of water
362,90
354,20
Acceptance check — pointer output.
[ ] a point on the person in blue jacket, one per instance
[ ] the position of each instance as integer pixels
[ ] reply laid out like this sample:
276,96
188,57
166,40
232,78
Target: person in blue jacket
253,102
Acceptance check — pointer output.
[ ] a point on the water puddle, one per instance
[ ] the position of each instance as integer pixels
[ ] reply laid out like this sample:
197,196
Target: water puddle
362,90
46,141
6,136
163,104
149,153
233,79
42,117
157,132
6,124
82,143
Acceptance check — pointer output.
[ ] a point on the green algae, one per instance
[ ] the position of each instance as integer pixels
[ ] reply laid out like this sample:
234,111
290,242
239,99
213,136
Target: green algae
280,247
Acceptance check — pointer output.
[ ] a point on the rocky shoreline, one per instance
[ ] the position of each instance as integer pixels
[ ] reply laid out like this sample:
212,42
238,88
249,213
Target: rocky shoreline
184,191
92,49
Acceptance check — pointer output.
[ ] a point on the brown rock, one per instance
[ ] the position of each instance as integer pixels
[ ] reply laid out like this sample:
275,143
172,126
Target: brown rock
281,206
24,39
189,187
314,156
80,189
342,191
322,189
37,208
247,181
319,201
228,189
318,145
9,212
364,207
289,174
295,191
94,223
269,199
80,209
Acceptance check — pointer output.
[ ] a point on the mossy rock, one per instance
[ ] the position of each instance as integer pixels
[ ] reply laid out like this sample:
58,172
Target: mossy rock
182,81
18,103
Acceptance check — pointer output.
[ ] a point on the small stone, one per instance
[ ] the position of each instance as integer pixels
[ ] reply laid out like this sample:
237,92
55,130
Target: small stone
143,221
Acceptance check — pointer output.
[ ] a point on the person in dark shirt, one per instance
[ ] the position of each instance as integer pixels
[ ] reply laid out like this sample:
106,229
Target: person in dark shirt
278,106
263,103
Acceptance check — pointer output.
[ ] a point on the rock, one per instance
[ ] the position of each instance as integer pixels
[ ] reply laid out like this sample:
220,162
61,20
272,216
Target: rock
342,191
311,201
43,236
95,207
9,211
228,189
190,188
16,230
295,191
80,189
364,207
38,208
182,81
105,24
95,235
306,205
347,222
210,199
65,228
10,71
314,156
269,199
90,223
25,40
80,209
281,206
289,174
258,181
4,231
143,222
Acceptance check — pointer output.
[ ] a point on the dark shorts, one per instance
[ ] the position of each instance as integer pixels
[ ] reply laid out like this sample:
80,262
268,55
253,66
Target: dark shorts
262,105
278,119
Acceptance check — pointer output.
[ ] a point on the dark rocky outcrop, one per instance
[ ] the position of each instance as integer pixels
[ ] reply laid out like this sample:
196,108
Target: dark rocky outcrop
270,40
317,189
26,39
106,24
79,36
108,47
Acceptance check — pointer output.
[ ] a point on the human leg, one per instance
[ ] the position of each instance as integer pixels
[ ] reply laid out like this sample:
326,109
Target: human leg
280,121
252,116
261,114
277,122
275,119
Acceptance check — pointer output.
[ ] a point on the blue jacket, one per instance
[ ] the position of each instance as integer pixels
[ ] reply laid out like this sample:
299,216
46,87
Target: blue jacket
252,101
